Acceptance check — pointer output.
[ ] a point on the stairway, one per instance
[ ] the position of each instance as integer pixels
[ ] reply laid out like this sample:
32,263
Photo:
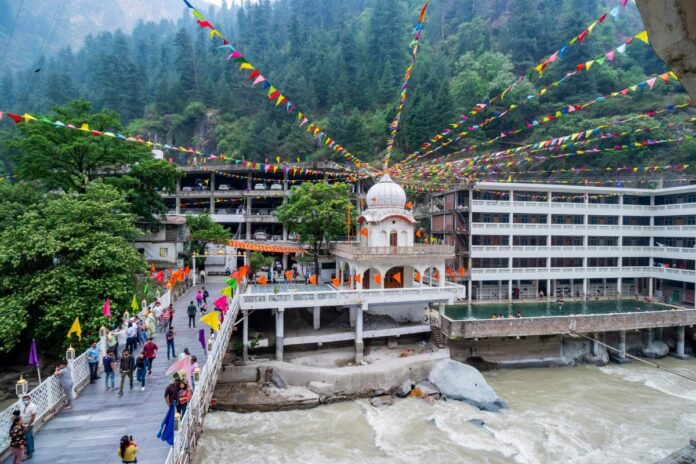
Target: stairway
438,338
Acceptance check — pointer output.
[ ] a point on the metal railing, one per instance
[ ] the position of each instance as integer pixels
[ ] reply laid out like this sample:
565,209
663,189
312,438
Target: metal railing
191,424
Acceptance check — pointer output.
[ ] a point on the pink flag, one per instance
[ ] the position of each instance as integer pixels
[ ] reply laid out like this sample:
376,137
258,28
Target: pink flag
221,303
610,55
107,308
182,365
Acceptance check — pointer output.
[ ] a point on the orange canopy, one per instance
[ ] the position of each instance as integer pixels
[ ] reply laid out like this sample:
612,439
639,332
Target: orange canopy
242,245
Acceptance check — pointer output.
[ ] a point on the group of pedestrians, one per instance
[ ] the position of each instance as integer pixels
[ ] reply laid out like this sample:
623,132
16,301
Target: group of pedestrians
122,343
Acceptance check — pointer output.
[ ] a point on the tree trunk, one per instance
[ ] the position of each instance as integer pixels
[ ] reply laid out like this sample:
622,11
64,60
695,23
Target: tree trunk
316,261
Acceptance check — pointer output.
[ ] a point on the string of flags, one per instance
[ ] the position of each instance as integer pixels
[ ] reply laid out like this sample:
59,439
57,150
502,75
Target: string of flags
273,94
442,140
539,68
394,126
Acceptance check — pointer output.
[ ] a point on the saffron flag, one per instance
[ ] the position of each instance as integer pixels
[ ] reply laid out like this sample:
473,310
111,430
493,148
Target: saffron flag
263,280
378,278
134,303
363,232
33,355
418,233
409,205
397,277
166,431
417,277
152,269
336,283
212,320
75,329
313,279
462,271
221,303
358,278
288,275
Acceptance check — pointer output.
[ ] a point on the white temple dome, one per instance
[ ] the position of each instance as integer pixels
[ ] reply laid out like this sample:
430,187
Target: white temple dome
386,194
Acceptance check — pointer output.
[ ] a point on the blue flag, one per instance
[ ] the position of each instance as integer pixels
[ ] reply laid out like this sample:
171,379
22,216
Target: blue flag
166,431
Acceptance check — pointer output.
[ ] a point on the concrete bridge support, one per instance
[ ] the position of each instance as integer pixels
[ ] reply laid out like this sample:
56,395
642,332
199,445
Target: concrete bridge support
679,349
245,336
316,317
280,332
622,345
359,345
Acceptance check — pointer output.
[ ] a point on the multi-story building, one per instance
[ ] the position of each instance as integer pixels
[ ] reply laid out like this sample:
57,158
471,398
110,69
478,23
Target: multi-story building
525,241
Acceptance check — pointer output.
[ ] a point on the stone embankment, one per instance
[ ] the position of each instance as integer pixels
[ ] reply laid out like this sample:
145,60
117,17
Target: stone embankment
686,455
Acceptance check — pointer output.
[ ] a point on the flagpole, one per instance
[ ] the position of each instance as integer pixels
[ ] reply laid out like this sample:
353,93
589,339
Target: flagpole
38,371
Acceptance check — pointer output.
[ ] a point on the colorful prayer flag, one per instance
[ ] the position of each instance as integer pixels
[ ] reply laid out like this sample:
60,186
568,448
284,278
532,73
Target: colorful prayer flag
75,329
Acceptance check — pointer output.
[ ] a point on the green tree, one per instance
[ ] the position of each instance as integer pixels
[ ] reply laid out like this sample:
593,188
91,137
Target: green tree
258,261
62,256
72,159
318,213
202,230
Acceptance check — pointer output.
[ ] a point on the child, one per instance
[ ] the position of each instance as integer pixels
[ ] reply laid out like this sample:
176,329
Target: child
204,308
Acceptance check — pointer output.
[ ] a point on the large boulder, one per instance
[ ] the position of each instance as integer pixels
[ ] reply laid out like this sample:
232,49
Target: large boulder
403,390
656,349
462,382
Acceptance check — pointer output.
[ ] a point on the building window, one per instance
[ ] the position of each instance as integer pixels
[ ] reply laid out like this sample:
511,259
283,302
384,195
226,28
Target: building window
577,219
164,252
486,218
524,219
542,219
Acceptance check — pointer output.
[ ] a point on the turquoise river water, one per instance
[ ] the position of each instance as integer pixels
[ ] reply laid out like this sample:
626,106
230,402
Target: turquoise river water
585,415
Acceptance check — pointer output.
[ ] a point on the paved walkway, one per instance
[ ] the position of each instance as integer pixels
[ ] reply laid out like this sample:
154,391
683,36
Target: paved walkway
90,431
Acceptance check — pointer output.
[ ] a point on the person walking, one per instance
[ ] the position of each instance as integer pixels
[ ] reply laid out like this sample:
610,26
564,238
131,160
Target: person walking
150,350
112,343
205,295
109,363
141,370
64,374
169,336
92,354
17,440
192,372
199,298
127,450
126,369
131,334
191,311
28,415
204,308
202,274
183,398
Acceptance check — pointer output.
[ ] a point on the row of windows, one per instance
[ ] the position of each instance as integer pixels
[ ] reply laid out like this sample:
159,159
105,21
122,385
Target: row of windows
557,197
503,218
592,240
504,263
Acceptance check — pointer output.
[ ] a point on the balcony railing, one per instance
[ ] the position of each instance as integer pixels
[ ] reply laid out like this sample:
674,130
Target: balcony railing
415,250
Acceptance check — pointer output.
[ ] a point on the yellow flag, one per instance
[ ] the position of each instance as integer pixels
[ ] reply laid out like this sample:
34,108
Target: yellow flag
227,291
75,329
643,36
212,320
134,303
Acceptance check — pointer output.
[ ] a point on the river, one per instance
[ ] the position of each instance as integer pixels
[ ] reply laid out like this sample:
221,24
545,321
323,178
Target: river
614,414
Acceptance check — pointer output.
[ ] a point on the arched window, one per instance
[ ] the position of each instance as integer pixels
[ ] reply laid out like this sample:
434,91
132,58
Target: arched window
393,239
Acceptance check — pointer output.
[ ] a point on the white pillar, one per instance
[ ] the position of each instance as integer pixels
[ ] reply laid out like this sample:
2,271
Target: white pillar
359,347
510,290
316,317
245,336
622,344
280,312
468,293
680,341
584,288
650,287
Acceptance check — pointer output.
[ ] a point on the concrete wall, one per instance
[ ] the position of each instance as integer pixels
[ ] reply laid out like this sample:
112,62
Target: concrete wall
671,26
565,324
405,312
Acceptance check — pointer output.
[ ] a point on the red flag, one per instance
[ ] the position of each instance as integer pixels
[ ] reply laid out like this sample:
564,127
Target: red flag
159,277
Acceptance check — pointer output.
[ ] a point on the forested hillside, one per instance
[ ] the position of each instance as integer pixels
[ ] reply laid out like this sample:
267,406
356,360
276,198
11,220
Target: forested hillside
342,63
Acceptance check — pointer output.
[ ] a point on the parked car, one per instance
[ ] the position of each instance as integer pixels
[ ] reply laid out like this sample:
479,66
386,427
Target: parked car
260,235
260,186
224,187
186,189
293,237
276,238
276,186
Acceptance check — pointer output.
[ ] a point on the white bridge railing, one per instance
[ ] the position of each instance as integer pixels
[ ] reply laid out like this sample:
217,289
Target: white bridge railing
191,423
48,396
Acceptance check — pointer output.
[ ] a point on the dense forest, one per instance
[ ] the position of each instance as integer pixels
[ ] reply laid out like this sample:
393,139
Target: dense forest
342,63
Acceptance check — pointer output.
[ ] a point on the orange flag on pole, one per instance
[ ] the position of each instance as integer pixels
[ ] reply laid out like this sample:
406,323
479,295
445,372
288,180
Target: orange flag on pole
313,279
378,278
336,283
448,271
462,271
397,277
409,205
418,233
152,269
263,280
288,275
363,232
417,277
358,278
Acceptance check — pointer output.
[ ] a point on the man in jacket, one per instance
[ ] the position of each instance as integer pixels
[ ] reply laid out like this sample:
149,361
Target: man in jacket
126,368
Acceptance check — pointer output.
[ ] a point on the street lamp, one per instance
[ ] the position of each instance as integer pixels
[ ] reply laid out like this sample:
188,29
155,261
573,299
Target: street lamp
70,354
194,255
22,387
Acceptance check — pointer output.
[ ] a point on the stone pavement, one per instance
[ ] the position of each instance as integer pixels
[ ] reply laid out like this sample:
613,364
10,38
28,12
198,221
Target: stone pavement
90,431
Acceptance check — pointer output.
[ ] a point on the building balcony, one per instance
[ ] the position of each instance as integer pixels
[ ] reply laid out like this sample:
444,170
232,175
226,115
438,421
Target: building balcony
545,207
534,273
356,251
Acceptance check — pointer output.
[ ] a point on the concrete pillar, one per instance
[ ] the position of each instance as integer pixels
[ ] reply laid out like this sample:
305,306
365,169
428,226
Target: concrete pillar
359,347
177,200
622,344
595,345
316,317
549,291
245,336
584,288
650,287
249,184
280,333
212,204
679,349
248,230
619,285
285,261
648,337
468,291
510,290
285,234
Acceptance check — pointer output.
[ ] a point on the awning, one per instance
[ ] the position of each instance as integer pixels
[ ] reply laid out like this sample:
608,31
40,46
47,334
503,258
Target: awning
243,245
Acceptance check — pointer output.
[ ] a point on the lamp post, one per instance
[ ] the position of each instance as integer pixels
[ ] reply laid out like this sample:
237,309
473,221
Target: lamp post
194,255
70,354
22,387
